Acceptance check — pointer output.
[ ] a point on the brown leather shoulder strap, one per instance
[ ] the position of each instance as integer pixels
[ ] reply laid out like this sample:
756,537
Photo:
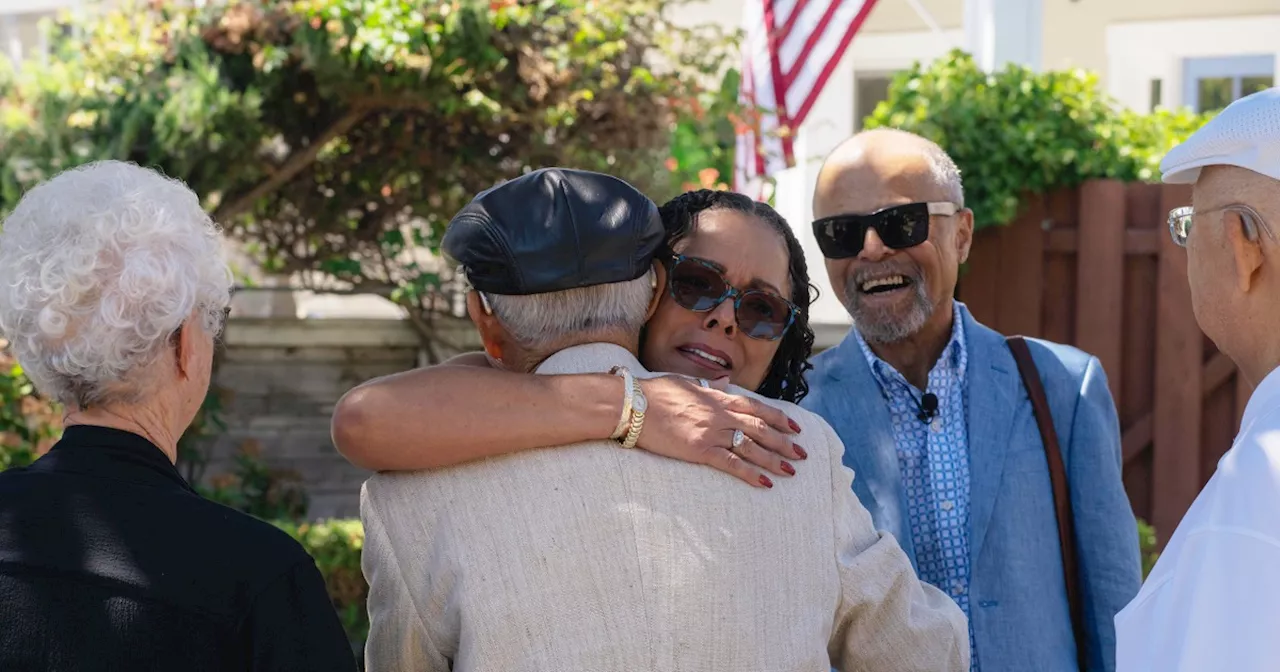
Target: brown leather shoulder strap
1061,495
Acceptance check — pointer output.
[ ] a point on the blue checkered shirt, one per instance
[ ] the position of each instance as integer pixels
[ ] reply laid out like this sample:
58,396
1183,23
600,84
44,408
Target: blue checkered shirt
934,460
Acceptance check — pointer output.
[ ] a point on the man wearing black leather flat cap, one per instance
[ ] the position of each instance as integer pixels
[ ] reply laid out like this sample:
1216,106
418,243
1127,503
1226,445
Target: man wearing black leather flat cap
594,557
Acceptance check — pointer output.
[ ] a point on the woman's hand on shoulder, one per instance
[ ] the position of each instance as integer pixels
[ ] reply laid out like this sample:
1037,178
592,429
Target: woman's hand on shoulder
694,424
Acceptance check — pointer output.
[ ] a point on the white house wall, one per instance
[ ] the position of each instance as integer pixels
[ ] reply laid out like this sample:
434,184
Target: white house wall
1139,52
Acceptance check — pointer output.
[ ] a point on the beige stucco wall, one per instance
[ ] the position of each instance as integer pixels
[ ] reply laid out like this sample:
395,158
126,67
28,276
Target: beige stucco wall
725,13
888,16
895,16
1075,30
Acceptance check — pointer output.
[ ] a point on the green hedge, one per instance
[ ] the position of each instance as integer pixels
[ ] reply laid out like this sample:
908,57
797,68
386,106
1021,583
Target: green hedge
1020,132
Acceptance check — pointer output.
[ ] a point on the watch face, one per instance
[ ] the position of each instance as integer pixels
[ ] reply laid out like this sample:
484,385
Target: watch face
640,403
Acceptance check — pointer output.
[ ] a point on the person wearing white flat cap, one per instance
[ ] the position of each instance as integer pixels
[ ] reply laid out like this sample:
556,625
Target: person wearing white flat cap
1213,600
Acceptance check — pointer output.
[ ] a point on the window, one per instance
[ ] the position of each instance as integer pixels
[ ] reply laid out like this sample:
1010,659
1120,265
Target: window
1157,93
868,91
1214,83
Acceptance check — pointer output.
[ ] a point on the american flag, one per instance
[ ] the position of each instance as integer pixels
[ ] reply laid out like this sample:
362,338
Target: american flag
788,53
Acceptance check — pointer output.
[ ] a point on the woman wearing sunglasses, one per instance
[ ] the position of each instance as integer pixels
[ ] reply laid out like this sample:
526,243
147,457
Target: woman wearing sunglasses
735,310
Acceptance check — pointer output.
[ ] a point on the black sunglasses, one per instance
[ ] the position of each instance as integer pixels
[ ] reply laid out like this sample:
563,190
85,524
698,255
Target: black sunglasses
899,226
699,286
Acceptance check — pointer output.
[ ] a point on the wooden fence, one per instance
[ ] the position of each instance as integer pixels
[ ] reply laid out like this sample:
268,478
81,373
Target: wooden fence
1095,267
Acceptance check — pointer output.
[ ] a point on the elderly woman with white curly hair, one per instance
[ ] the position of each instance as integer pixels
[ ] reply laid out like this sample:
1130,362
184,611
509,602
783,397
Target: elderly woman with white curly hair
113,288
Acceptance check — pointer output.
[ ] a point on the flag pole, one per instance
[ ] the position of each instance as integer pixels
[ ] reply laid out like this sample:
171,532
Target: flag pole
926,17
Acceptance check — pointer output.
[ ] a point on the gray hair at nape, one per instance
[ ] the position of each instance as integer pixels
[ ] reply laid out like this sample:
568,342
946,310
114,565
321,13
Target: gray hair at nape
99,267
544,323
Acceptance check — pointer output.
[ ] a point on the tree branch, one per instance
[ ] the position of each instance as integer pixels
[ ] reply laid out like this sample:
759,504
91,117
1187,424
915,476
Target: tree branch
394,103
296,163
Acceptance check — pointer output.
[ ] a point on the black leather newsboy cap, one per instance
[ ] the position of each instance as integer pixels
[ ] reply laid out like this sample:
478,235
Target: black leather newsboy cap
555,229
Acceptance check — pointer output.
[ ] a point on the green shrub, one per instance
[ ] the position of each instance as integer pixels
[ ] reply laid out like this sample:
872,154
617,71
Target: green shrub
335,545
1019,132
1147,543
29,424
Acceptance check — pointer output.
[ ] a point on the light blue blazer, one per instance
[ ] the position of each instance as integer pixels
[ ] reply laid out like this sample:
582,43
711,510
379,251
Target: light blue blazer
1018,596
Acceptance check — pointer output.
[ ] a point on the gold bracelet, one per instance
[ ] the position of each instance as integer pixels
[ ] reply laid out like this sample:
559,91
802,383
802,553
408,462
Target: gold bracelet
628,385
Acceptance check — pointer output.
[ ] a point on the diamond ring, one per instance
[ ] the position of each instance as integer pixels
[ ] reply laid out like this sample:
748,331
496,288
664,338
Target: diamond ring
702,382
739,438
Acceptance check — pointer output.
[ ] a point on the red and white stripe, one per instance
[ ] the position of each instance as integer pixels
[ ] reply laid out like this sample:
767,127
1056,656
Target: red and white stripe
790,49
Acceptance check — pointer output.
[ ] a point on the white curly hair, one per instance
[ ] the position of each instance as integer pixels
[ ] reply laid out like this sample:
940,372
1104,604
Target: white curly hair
99,267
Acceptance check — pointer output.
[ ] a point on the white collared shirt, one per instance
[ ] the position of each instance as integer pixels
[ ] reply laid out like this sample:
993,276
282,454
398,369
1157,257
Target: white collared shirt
1212,602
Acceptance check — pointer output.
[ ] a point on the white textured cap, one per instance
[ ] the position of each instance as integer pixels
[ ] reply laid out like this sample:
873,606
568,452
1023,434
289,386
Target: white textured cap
1246,134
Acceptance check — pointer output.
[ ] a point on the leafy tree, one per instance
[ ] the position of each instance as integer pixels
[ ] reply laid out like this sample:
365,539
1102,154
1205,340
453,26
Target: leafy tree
705,137
337,137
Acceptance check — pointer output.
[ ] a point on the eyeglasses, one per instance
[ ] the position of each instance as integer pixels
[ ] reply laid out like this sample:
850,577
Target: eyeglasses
899,226
222,328
1180,220
697,285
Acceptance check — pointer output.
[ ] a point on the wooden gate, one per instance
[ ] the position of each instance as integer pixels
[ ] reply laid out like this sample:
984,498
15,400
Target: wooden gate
1095,267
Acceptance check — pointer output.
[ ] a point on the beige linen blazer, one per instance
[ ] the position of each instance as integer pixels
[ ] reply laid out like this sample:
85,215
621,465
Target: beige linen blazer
593,558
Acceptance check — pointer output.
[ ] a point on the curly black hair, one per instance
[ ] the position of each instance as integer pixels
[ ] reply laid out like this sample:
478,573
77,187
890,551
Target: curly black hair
785,379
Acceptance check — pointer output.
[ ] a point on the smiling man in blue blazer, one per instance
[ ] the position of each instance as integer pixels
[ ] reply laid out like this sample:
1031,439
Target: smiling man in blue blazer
938,426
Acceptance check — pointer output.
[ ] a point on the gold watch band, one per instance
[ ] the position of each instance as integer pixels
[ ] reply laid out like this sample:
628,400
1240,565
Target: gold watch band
637,419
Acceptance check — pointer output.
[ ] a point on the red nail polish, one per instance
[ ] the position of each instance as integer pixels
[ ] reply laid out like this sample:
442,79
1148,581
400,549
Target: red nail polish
788,469
794,427
764,480
800,451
